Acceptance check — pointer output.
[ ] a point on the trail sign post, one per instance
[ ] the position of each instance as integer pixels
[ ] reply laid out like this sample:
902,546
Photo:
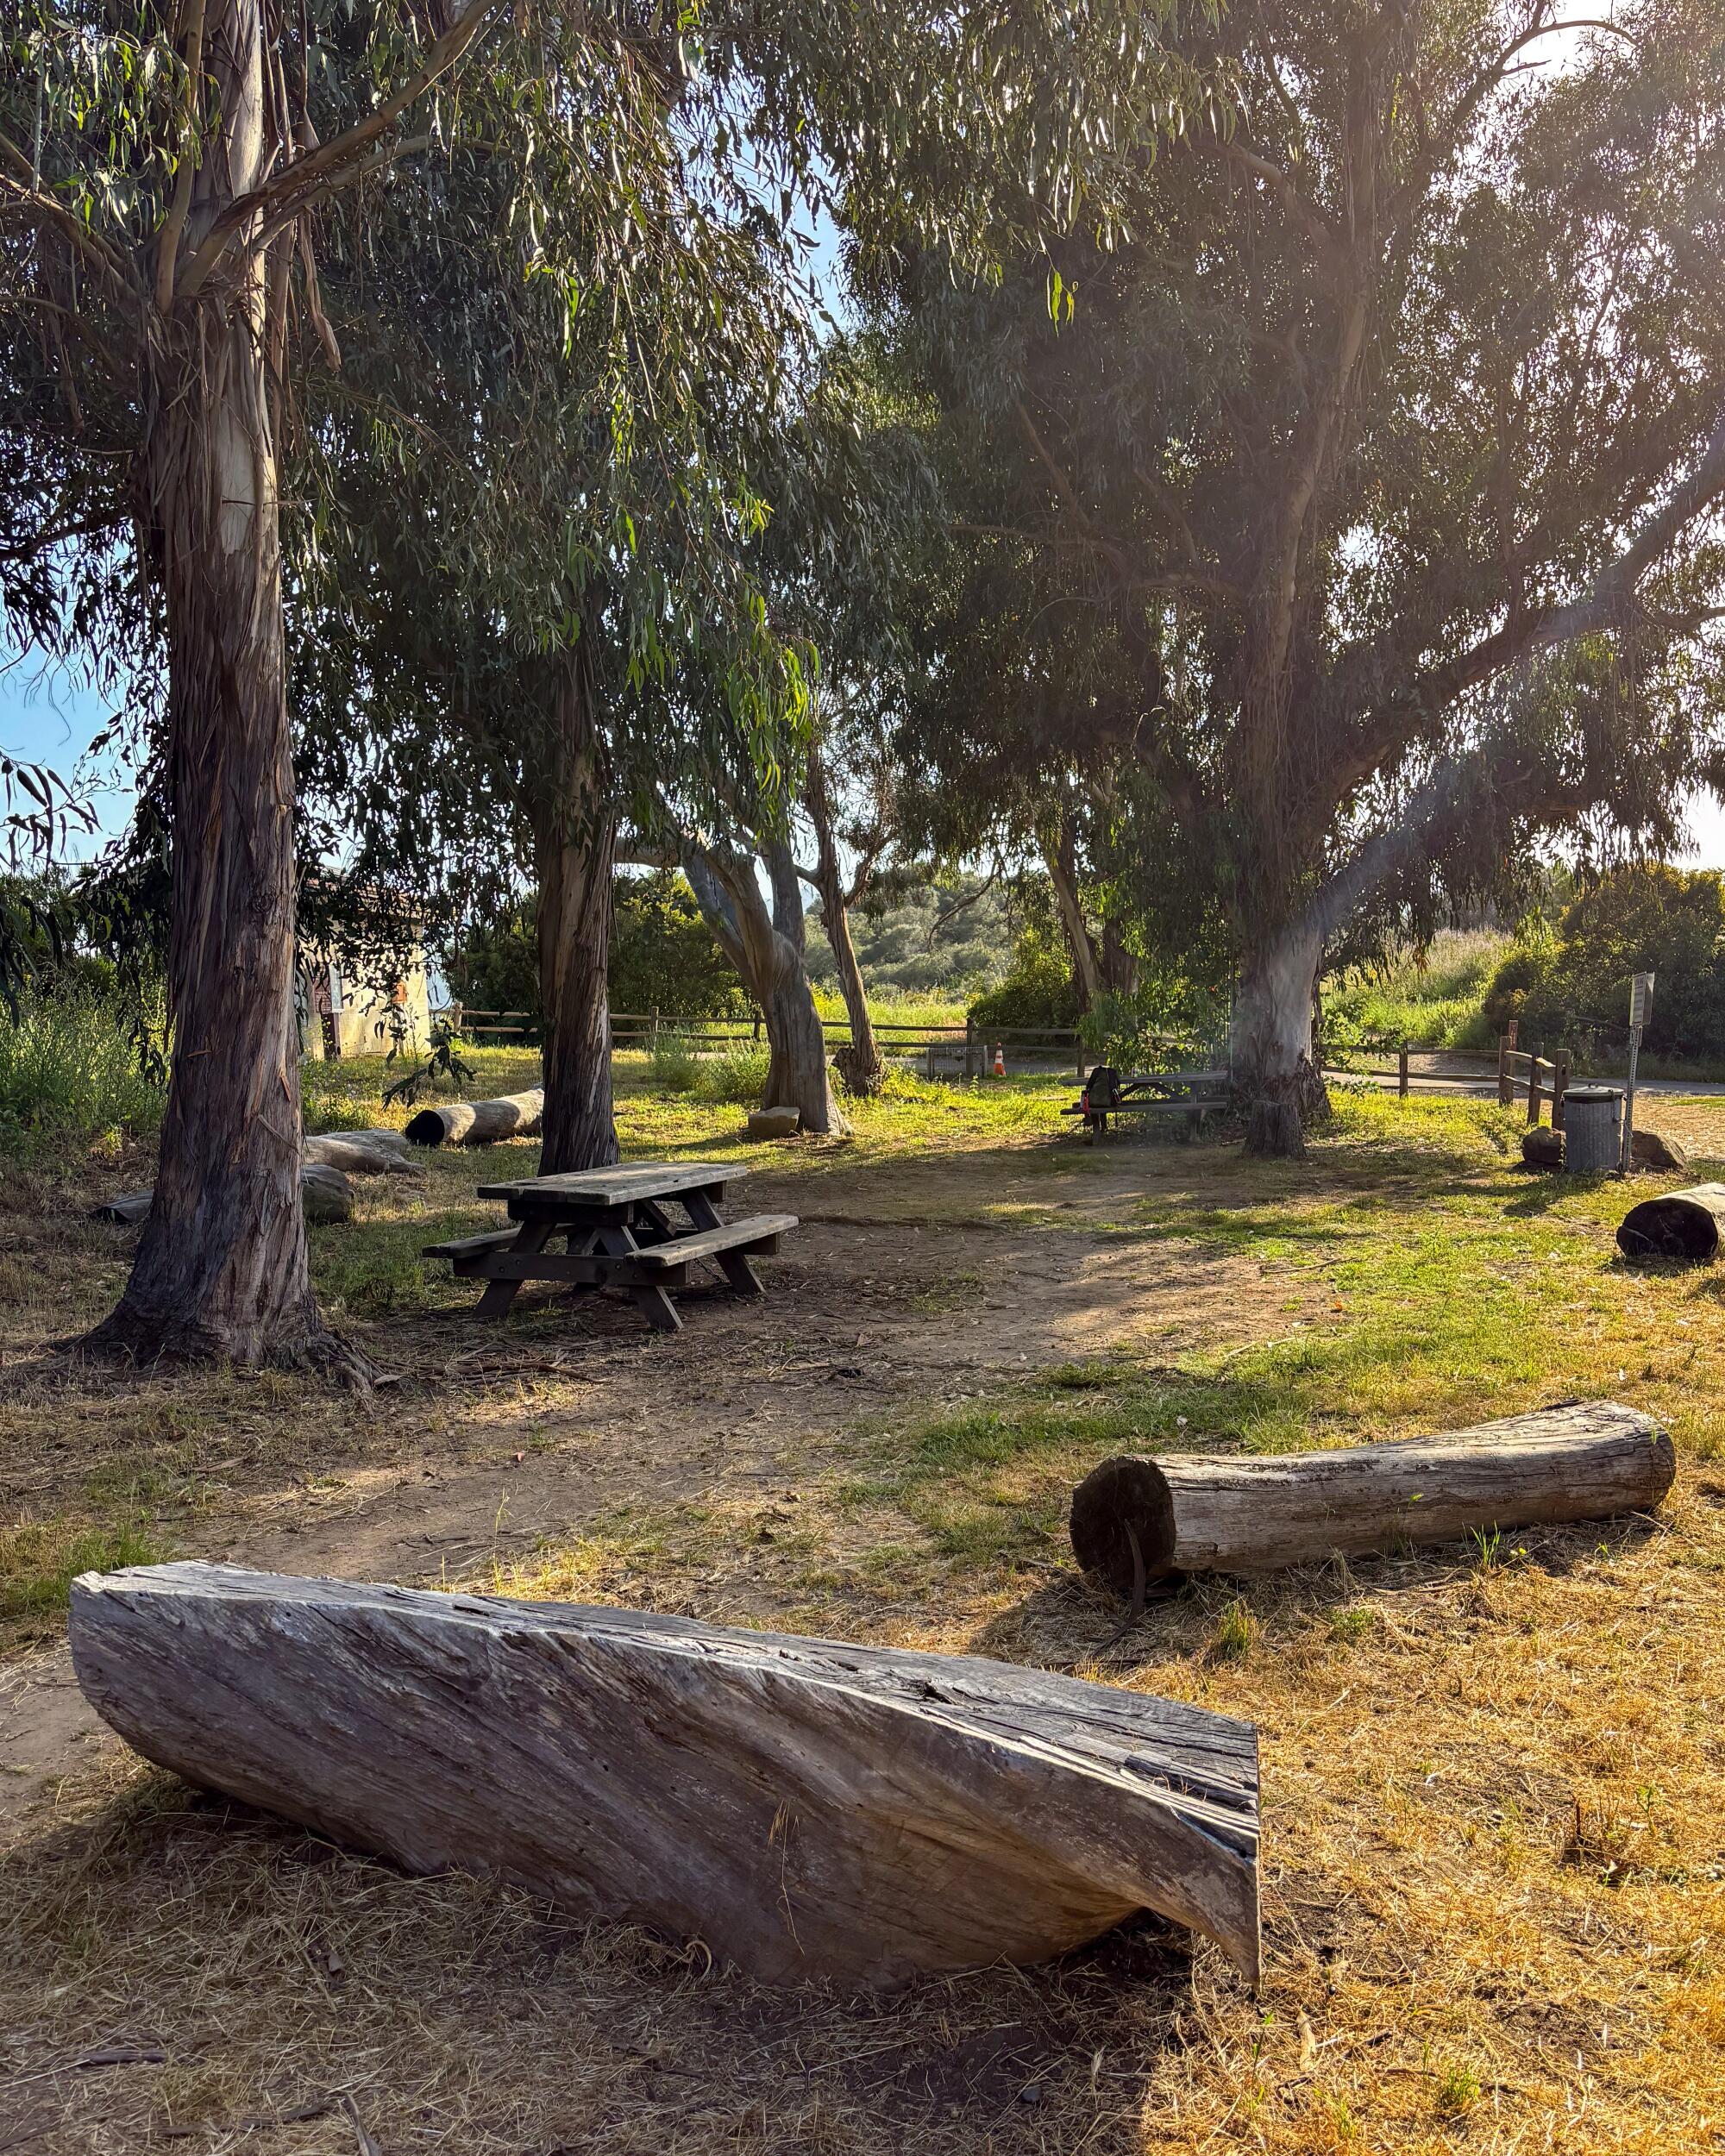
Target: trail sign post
1640,1009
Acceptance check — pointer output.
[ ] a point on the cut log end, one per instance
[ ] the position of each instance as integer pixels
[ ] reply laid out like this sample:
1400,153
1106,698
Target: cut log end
1684,1224
1124,1500
1137,1521
478,1122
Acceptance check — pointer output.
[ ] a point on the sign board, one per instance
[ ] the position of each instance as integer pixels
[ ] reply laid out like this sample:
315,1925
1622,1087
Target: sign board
1640,1000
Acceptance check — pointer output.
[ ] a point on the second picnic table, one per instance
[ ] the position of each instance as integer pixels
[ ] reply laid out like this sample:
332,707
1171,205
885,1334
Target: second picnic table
618,1233
1191,1094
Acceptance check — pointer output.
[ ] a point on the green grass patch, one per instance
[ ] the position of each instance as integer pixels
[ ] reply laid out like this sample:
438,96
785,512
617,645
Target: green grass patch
1431,998
39,1559
69,1076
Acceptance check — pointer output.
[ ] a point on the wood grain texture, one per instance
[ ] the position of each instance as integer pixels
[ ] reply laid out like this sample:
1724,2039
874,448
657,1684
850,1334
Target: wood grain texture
478,1122
1685,1224
1202,1512
806,1808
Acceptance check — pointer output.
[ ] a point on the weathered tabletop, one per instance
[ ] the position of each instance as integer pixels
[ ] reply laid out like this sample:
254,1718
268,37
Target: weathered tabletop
618,1234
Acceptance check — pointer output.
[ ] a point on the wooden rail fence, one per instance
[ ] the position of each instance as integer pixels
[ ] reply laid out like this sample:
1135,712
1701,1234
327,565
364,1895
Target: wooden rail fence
968,1047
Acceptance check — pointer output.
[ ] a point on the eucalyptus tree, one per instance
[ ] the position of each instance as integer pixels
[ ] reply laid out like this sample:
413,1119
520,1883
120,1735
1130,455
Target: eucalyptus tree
523,555
1360,513
167,170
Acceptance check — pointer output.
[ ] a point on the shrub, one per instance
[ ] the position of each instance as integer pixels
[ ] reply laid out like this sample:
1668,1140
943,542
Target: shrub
673,1063
1430,995
736,1071
68,1073
662,956
1039,989
1562,985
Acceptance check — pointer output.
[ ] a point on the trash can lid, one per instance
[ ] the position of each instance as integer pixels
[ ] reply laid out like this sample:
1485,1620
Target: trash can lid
1593,1092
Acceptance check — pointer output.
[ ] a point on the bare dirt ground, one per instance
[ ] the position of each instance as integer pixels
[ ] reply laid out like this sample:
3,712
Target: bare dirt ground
864,1318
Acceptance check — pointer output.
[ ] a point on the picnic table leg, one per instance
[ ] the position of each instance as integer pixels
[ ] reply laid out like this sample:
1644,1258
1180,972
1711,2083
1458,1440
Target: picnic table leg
499,1293
740,1274
655,1305
649,1214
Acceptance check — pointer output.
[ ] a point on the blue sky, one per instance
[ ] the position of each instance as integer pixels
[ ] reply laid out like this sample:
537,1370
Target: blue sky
48,717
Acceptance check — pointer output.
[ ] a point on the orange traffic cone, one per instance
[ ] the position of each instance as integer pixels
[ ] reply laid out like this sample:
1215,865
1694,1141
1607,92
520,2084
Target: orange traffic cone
1000,1059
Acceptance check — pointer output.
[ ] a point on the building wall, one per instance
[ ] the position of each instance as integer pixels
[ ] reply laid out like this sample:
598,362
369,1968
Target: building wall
341,1015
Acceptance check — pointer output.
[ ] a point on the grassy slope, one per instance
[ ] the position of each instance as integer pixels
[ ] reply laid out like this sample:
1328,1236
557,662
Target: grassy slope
1431,999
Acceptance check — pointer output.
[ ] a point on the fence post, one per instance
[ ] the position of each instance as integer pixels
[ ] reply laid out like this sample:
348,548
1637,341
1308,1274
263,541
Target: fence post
1078,1058
1559,1087
655,1025
1402,1072
969,1035
1506,1081
1533,1086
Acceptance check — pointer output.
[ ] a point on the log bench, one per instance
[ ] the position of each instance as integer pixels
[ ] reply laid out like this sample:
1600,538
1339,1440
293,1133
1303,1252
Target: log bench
806,1807
617,1233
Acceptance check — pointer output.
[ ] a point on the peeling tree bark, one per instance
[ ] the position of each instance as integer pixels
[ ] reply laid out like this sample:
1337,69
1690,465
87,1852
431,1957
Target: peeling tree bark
574,839
767,950
221,1271
1270,1047
861,1062
1063,873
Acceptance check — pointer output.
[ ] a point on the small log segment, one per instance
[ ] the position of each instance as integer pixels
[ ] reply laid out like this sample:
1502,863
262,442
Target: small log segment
478,1122
1685,1224
806,1808
1197,1513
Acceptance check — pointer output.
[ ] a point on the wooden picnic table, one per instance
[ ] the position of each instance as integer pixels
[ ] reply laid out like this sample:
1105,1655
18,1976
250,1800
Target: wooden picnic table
618,1233
1191,1094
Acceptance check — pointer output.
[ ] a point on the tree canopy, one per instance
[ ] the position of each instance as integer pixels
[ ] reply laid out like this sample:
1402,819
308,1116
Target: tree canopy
1348,528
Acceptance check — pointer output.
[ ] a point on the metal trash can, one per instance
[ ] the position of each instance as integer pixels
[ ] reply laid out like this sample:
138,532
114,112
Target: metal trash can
1593,1130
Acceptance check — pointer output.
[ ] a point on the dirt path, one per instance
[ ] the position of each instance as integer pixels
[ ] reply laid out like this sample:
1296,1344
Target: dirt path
865,1319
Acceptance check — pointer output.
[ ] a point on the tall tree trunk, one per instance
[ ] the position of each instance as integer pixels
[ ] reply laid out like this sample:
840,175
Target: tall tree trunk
765,949
1059,853
574,836
221,1269
860,1064
1270,1044
1119,966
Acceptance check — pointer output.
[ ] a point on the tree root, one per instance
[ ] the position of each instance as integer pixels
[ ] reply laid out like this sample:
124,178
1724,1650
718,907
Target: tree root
131,1336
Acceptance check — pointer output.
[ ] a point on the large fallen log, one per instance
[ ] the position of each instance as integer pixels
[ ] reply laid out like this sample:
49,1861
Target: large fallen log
805,1809
478,1122
1136,1519
362,1152
1684,1223
324,1192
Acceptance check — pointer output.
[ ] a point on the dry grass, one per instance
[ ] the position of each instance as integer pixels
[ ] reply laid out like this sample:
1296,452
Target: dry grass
1494,1856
